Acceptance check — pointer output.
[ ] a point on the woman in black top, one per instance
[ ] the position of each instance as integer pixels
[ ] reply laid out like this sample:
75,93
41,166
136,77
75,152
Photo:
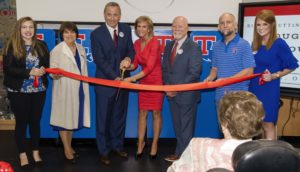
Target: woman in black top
24,62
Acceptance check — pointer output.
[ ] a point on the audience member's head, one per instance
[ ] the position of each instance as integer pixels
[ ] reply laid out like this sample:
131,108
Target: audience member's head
240,115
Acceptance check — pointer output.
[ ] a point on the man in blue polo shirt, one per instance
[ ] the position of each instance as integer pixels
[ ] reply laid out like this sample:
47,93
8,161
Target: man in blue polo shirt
231,56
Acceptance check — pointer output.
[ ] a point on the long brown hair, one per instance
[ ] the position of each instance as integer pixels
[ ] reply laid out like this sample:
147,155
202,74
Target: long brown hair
269,17
17,43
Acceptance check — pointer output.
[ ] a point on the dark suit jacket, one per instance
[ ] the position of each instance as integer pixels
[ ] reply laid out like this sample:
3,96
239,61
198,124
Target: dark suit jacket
186,69
108,57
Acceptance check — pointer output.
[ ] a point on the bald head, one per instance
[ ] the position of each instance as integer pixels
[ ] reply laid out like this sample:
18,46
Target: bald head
227,16
181,19
180,27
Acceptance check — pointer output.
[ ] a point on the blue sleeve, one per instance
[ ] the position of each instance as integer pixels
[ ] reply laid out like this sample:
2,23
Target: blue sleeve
213,58
247,56
286,56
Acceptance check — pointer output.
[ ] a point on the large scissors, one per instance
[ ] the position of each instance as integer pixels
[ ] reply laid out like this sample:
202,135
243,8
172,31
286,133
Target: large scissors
122,78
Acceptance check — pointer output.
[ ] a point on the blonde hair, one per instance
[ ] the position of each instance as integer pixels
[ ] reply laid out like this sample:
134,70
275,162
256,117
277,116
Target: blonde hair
17,43
242,114
148,21
269,17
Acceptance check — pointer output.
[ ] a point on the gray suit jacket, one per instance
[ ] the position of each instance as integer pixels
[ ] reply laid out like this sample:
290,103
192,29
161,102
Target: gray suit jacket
185,69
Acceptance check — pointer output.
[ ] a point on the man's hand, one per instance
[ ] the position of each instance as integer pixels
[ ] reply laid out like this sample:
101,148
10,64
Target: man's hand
209,79
118,79
212,75
125,64
171,93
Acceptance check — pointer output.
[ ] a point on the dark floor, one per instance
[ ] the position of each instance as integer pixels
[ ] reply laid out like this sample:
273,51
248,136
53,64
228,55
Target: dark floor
52,154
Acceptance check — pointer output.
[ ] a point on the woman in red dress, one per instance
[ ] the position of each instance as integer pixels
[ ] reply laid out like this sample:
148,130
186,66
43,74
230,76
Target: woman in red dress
148,56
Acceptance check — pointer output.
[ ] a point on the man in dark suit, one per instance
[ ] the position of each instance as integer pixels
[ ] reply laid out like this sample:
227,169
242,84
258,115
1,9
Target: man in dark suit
182,64
111,43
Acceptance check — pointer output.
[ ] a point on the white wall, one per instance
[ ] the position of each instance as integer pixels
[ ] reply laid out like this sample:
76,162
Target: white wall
161,11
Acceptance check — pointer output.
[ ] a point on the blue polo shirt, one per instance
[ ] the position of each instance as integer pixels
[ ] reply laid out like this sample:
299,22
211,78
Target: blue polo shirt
230,59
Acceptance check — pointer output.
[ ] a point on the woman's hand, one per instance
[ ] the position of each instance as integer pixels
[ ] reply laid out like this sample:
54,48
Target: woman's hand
37,71
56,76
129,79
267,76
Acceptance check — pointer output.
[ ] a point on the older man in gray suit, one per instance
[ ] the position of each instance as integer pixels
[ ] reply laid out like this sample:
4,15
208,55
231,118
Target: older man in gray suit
182,64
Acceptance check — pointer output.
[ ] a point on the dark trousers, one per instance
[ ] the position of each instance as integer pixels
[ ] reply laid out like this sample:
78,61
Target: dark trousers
183,119
27,108
111,115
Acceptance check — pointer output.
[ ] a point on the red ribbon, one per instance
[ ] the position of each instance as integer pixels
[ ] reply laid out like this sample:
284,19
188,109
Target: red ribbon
36,82
126,85
261,80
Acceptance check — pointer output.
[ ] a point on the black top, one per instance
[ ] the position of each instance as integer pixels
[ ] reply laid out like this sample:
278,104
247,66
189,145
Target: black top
15,69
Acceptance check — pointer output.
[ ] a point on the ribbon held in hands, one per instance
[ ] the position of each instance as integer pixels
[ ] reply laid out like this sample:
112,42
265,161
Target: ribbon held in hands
36,82
126,85
261,80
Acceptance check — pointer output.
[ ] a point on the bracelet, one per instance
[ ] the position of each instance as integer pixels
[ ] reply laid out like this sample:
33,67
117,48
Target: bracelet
277,75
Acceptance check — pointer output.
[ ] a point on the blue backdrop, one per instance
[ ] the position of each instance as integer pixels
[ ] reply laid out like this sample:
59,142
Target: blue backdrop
206,124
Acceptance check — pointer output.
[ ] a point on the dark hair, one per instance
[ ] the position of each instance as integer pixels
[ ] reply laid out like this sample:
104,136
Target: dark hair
242,114
67,26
